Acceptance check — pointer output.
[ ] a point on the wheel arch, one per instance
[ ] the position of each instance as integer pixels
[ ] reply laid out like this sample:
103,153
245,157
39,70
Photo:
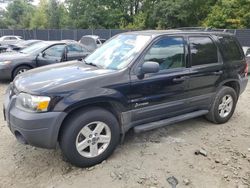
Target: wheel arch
20,65
234,84
112,106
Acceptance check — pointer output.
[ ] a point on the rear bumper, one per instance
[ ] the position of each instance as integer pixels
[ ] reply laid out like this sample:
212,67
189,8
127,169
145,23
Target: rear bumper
243,84
37,129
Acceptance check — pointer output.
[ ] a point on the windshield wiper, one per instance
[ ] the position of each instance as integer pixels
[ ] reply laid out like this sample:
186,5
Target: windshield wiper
92,64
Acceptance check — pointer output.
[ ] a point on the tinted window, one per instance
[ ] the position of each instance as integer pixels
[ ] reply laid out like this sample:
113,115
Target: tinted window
73,48
203,51
55,51
230,48
168,52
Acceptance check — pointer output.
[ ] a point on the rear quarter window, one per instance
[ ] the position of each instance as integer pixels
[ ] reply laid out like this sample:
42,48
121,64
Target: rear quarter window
231,49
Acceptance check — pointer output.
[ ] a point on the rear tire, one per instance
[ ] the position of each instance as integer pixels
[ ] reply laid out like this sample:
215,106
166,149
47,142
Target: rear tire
20,70
89,136
223,105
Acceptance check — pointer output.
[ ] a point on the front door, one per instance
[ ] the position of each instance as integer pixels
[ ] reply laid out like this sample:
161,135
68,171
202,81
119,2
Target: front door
160,95
51,55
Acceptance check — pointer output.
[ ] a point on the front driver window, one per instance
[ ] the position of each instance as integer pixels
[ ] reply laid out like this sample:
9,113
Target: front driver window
168,52
55,51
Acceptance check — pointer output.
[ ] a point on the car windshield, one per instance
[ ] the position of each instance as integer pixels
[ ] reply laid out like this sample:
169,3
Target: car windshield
118,52
26,42
37,47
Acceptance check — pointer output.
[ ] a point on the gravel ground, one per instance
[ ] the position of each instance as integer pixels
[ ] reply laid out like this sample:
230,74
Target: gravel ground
144,160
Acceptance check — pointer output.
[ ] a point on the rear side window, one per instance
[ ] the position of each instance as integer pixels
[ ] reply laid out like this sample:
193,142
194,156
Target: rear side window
230,48
203,51
13,38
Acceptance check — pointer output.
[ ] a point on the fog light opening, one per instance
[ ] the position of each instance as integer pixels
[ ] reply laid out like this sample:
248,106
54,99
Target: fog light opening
20,138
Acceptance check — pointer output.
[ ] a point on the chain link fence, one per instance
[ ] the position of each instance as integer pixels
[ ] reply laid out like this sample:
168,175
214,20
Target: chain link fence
243,35
60,34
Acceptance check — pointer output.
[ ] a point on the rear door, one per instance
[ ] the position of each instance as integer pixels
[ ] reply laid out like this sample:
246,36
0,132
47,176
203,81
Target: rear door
51,55
206,70
160,95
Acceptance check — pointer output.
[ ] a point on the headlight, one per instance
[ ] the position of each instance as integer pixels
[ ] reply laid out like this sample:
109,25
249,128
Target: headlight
32,103
5,62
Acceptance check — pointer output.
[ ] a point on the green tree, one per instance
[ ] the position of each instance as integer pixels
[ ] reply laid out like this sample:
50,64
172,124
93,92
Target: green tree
40,19
18,14
53,14
229,14
179,13
50,14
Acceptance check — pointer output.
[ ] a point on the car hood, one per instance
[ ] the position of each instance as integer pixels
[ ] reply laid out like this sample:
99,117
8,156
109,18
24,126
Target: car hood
58,78
9,56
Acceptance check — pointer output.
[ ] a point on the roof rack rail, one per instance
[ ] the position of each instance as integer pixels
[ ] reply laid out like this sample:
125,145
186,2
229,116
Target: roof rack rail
204,29
195,28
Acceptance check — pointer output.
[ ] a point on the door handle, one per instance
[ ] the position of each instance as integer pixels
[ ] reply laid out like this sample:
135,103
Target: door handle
180,79
218,72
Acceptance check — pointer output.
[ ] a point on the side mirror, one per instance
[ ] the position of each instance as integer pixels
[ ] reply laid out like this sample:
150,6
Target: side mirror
150,67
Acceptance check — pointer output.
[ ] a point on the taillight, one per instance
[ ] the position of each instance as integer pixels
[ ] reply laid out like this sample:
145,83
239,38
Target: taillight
246,70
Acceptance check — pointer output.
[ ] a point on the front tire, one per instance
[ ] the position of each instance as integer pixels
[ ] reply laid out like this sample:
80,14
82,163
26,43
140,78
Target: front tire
223,105
89,136
20,70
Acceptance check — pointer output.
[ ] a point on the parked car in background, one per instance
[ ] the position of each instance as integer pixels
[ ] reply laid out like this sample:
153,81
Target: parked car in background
139,80
246,50
3,48
39,54
21,45
91,42
10,39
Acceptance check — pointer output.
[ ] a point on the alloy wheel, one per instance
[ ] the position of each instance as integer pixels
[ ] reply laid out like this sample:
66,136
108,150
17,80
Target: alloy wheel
226,106
93,139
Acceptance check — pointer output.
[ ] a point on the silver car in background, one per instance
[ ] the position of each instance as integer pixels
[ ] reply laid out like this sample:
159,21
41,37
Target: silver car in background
246,50
10,39
92,42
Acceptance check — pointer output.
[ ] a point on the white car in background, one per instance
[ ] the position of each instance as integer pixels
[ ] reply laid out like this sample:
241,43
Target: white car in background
10,39
91,42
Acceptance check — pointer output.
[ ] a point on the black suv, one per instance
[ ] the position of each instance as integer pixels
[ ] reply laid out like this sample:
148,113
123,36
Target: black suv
141,80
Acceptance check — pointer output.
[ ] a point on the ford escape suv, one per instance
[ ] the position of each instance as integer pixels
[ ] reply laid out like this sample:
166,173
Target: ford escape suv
139,80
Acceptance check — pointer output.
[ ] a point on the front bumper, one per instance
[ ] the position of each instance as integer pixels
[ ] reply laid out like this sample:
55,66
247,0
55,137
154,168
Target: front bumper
37,129
5,73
